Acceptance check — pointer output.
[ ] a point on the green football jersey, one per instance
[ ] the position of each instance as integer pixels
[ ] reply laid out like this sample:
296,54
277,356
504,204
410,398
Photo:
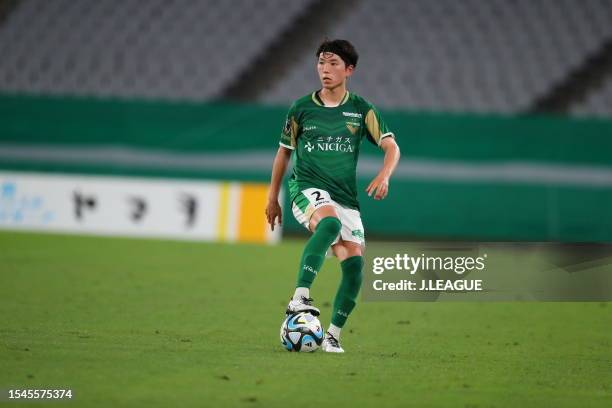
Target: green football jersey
326,143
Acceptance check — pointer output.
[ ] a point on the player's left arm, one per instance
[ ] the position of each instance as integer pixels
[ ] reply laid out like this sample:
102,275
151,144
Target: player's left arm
380,185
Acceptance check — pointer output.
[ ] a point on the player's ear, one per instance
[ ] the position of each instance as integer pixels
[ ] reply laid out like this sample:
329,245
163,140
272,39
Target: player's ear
349,70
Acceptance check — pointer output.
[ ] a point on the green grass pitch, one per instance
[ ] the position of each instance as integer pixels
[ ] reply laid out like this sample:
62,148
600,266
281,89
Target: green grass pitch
150,323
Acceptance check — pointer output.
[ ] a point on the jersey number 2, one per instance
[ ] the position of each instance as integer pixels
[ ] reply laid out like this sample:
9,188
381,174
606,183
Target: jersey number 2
317,195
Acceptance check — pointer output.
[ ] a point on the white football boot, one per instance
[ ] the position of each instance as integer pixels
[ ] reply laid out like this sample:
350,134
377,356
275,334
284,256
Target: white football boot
303,304
331,344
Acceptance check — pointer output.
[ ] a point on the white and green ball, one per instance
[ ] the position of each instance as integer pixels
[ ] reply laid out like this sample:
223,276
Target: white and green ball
301,332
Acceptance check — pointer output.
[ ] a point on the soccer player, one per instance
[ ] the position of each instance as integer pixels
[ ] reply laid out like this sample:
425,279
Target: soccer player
324,130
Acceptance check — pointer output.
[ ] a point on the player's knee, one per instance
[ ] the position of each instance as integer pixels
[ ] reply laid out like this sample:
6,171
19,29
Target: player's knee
355,251
329,225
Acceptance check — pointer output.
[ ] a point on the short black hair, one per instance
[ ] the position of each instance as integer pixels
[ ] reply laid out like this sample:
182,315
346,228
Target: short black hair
341,48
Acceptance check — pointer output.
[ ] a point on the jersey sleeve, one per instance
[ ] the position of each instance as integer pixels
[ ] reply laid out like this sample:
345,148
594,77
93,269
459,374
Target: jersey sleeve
376,127
288,137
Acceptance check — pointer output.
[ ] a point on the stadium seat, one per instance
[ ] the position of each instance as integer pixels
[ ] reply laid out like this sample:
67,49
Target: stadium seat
181,49
484,56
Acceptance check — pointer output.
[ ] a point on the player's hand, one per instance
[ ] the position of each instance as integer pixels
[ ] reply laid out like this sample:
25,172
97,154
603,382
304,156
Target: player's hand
379,187
273,211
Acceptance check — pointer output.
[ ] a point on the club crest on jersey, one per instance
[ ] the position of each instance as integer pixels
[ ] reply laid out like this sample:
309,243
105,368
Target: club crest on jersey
352,127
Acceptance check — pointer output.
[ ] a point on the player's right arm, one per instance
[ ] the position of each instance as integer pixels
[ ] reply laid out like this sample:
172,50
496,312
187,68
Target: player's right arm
287,144
273,209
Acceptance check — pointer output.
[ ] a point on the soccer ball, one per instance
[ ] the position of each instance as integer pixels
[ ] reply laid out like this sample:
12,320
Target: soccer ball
301,332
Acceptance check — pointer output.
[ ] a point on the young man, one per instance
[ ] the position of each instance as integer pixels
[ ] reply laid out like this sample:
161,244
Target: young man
325,130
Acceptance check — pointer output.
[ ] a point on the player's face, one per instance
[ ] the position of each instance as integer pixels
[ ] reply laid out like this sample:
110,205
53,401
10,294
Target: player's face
332,70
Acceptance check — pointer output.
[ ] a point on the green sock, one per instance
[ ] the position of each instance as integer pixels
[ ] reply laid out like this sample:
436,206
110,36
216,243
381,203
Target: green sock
344,303
314,253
